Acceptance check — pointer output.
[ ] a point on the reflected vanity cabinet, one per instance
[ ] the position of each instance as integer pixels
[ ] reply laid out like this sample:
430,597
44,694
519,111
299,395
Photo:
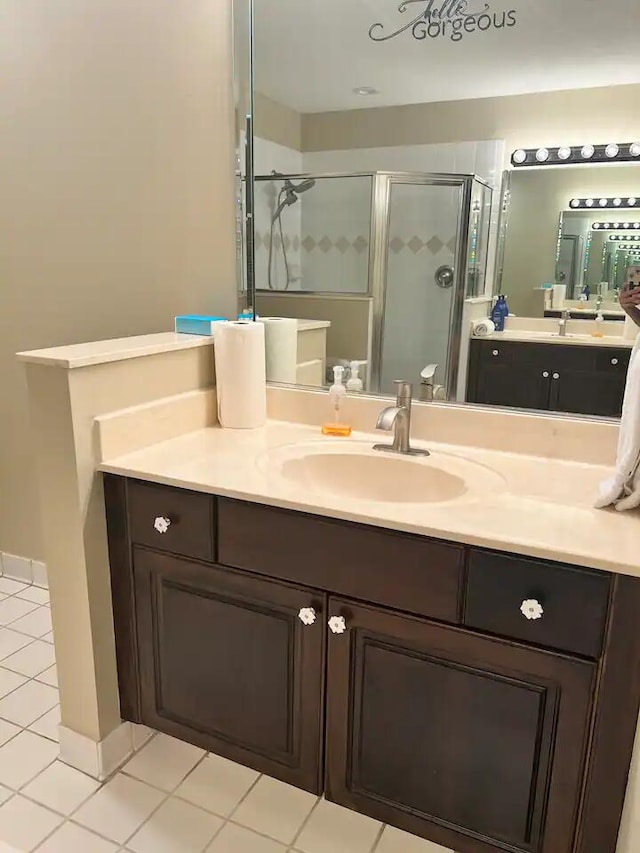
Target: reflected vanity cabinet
399,675
587,380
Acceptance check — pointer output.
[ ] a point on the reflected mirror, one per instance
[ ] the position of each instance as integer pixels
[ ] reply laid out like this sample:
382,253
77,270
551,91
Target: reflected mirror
386,224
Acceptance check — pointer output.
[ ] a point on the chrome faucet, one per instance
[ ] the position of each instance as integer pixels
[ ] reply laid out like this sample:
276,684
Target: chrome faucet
562,326
398,418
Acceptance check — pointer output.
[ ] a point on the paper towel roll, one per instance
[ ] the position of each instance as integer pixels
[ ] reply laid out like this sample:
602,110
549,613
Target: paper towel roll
630,329
559,296
240,374
281,344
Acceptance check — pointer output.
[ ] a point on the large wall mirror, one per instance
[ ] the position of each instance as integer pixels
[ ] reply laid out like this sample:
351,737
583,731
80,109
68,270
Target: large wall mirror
414,160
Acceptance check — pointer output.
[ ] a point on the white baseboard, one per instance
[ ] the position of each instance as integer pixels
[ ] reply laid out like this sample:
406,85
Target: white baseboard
23,569
102,759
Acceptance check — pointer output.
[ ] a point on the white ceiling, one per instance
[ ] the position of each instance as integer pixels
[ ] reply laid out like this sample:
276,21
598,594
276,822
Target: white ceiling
311,54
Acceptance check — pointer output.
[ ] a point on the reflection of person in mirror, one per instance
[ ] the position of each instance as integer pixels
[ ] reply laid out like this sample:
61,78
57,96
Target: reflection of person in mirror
630,300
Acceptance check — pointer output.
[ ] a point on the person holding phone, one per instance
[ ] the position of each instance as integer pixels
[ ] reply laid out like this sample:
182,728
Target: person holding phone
630,296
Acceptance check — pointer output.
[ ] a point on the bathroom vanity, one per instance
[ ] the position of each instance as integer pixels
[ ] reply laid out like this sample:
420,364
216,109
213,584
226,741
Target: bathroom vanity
556,377
484,700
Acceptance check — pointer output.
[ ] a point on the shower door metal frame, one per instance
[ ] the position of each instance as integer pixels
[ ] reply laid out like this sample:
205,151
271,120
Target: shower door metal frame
381,222
382,181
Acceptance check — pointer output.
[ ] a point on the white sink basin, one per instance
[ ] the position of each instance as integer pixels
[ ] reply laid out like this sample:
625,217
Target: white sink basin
354,471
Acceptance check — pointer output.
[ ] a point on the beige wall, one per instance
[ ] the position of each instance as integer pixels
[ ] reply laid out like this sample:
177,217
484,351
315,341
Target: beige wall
537,197
547,118
277,123
117,188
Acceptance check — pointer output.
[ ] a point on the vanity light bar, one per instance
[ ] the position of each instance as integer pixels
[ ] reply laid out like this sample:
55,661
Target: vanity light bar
616,226
603,203
625,238
566,155
633,249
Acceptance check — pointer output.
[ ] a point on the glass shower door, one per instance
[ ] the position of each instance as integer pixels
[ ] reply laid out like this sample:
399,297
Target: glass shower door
422,282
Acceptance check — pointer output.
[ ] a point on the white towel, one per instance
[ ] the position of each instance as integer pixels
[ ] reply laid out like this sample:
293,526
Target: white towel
623,488
483,327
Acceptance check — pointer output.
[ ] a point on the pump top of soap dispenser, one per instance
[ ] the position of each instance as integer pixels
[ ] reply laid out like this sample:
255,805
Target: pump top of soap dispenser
337,392
354,382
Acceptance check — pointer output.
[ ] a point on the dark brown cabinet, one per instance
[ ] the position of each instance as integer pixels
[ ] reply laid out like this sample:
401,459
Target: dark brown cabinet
476,742
550,377
226,662
398,674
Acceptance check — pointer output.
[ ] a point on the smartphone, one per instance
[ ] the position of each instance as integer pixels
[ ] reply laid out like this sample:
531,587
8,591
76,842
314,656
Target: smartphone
633,278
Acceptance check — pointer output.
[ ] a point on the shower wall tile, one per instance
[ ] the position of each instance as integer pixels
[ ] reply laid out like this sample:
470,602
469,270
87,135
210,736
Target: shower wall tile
336,224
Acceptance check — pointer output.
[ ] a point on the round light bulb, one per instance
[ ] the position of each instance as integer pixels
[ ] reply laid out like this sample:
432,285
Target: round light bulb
632,202
575,202
626,225
596,226
603,202
617,202
519,156
542,155
612,150
589,202
636,225
587,152
634,149
564,153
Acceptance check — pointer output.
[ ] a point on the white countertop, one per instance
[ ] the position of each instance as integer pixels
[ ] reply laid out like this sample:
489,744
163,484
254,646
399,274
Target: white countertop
119,349
523,336
542,509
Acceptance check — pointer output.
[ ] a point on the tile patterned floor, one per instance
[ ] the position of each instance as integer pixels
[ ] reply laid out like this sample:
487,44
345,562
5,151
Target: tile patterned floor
169,798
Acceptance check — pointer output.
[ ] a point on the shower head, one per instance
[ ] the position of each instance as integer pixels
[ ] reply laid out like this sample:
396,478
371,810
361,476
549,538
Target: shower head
291,191
302,187
290,198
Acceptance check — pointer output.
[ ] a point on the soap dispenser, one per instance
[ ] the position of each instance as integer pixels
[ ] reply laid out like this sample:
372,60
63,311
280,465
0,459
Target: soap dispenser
354,382
337,394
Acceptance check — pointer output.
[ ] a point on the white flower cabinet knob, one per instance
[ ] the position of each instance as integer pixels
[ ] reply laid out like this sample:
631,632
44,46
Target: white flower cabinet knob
307,616
162,524
337,625
532,609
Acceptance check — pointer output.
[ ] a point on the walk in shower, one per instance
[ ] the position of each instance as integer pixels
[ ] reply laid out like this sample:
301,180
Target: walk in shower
407,247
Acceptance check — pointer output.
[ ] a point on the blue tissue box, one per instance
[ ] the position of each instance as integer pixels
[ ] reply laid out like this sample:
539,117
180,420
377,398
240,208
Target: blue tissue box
197,324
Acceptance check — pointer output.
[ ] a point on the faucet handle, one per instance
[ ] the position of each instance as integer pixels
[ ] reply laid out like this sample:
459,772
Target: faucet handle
404,392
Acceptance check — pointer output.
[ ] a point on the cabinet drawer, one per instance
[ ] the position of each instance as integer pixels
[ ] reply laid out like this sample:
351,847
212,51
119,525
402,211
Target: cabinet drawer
400,571
190,515
574,602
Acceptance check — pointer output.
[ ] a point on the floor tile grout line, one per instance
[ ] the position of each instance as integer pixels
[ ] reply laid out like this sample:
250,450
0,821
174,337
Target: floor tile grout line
378,838
296,837
166,797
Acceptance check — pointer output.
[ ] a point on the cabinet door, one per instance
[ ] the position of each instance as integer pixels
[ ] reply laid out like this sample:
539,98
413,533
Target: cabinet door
227,664
589,380
587,393
514,374
475,743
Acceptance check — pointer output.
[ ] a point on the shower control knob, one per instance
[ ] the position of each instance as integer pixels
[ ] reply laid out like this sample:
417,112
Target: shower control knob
307,616
162,524
337,625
